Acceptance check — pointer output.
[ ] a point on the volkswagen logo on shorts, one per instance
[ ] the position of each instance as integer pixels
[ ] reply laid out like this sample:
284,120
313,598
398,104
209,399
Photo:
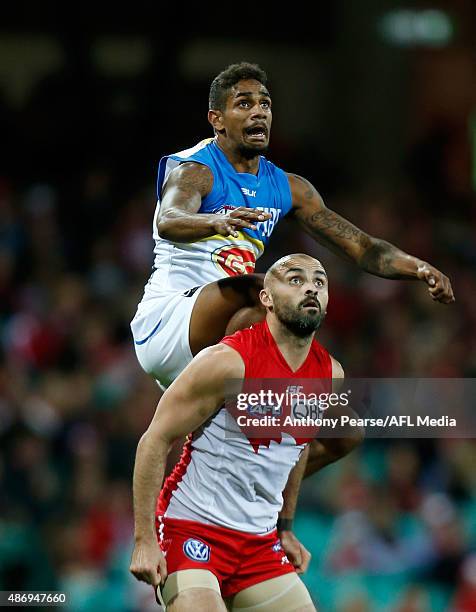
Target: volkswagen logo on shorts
196,550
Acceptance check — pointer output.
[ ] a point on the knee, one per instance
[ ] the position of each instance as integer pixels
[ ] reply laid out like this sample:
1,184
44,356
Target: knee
244,318
245,288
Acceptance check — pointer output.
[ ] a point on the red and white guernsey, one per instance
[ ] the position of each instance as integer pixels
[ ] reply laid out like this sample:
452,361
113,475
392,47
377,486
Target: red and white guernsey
223,478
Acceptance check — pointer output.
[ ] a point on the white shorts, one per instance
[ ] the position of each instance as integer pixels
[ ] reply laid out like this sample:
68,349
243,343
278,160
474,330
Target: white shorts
160,330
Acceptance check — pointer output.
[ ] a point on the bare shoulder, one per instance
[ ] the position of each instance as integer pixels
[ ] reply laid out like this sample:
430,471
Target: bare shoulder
303,191
191,177
204,380
337,369
337,375
220,360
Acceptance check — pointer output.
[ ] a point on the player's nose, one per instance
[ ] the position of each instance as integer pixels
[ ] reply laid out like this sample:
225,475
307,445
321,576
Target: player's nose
310,288
258,112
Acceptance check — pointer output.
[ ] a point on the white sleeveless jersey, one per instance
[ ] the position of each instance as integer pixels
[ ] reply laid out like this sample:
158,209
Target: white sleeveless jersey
226,483
180,266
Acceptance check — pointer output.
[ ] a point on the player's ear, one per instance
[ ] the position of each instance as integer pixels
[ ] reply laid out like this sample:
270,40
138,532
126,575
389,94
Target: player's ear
266,299
215,118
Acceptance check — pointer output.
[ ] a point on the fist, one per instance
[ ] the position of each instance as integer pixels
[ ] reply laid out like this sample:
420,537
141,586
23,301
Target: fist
148,563
439,285
297,554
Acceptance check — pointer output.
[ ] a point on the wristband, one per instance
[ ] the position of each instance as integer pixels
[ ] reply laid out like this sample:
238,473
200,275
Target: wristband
284,524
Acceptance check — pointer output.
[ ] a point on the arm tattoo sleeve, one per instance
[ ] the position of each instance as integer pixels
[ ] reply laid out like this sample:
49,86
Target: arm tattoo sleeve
341,236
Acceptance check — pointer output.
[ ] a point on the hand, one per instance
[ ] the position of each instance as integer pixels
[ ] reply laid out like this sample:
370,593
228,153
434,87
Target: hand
148,563
439,284
239,218
295,551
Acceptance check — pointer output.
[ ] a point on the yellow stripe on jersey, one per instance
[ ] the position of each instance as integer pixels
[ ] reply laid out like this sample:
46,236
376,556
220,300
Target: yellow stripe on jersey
232,239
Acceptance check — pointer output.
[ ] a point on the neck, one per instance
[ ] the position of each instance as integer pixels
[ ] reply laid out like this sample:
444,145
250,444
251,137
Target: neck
237,160
293,348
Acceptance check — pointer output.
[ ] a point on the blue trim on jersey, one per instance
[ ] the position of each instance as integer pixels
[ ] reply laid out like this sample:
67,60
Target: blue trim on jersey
268,190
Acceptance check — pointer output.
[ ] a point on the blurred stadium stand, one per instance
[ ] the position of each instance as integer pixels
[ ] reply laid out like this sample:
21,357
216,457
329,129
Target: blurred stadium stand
384,132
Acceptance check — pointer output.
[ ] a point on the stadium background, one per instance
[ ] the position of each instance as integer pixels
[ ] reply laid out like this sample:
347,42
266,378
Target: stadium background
375,103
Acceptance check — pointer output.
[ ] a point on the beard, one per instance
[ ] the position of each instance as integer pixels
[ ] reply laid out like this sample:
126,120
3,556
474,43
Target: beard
249,151
298,321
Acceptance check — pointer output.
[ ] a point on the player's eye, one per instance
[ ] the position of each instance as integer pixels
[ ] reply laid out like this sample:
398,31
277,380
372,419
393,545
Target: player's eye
295,280
266,104
244,103
319,283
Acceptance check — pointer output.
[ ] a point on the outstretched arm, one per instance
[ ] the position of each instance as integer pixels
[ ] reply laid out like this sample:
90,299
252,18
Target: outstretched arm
371,254
190,400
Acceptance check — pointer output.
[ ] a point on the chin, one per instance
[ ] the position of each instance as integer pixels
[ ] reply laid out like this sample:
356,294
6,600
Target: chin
250,151
302,328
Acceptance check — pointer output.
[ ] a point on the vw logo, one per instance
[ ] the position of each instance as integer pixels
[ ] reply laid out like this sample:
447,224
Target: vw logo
196,550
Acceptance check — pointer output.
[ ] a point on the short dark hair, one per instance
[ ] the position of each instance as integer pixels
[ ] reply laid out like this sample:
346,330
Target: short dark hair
222,83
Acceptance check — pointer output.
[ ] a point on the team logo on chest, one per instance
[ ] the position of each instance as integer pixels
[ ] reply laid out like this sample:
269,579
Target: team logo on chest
196,550
249,192
234,260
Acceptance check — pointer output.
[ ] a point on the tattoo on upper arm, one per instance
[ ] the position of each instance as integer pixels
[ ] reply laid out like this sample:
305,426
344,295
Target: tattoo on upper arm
332,225
190,178
311,191
372,254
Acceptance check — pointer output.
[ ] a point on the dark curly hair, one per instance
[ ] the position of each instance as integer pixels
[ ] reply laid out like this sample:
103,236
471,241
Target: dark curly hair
222,83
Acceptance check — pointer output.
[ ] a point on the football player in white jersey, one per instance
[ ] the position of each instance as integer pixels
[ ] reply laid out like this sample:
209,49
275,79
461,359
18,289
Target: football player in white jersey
203,285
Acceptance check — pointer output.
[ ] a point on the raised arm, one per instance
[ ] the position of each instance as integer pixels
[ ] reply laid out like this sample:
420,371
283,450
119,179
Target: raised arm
371,254
190,400
178,219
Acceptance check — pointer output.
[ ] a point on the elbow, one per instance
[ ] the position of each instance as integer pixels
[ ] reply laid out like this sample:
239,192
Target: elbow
164,229
168,225
143,440
346,443
352,440
152,437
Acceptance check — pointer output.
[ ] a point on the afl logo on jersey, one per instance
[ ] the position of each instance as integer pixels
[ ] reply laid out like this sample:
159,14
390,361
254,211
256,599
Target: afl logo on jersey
234,260
196,550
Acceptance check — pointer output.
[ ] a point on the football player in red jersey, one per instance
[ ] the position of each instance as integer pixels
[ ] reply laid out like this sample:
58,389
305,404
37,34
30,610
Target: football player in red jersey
218,509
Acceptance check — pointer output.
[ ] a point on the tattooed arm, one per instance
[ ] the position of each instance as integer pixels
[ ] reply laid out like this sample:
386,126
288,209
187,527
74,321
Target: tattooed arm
178,219
371,254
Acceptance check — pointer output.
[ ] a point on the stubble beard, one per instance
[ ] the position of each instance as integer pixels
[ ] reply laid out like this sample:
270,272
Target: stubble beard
298,322
250,152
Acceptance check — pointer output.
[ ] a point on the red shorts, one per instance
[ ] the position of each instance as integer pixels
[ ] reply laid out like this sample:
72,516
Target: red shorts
238,559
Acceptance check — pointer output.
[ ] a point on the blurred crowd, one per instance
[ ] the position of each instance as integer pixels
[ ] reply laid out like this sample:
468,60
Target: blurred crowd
392,527
396,520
